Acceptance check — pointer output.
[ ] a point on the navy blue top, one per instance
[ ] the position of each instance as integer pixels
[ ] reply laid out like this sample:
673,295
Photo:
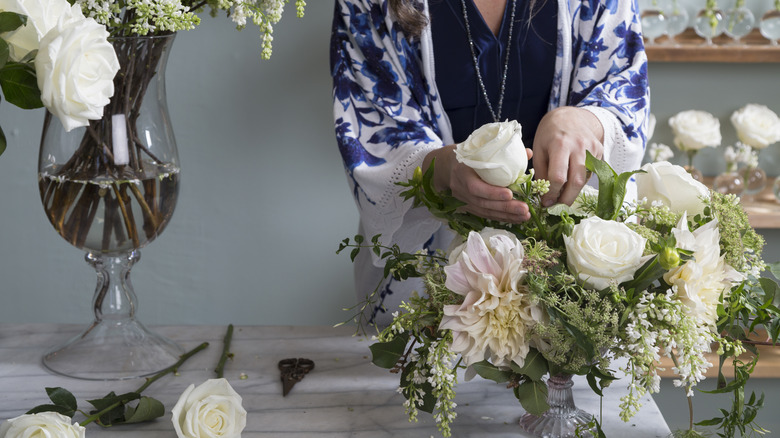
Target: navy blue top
531,64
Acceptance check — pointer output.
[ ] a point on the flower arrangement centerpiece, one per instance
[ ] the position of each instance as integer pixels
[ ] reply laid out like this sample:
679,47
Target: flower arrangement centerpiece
577,289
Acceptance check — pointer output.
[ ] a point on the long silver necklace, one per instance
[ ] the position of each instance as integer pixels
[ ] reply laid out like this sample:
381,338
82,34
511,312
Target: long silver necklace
496,114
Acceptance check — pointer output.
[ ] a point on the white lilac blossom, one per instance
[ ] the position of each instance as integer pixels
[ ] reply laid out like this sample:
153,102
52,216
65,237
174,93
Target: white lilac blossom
660,152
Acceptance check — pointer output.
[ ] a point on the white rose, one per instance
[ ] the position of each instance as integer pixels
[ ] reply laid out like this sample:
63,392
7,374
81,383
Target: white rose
757,126
600,252
673,187
76,66
212,409
42,16
694,130
43,424
496,152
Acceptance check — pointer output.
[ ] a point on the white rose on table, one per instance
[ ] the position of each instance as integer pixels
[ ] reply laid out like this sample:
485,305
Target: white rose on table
212,409
42,16
75,67
694,130
496,152
600,252
757,126
672,186
43,424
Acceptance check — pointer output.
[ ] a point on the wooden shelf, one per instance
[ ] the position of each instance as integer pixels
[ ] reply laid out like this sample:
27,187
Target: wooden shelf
768,363
763,209
691,48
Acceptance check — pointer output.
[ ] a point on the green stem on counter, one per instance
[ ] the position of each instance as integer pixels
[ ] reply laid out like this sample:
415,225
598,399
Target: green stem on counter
225,352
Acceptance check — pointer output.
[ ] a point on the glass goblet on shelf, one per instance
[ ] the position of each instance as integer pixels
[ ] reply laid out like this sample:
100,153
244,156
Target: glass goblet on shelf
739,22
653,24
676,22
769,26
709,23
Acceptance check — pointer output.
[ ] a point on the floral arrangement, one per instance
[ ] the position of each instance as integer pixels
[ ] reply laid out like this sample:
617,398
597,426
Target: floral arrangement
577,287
211,409
58,55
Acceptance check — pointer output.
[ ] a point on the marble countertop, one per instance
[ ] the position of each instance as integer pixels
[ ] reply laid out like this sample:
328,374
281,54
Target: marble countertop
344,396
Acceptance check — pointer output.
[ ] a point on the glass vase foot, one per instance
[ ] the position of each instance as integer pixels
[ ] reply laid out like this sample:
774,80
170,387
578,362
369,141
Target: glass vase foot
562,419
113,351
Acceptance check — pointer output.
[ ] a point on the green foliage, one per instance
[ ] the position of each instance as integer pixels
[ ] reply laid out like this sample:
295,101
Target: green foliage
532,395
388,354
612,187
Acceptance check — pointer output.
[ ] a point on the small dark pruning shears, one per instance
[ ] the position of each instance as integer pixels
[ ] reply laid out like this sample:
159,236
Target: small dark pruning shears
293,371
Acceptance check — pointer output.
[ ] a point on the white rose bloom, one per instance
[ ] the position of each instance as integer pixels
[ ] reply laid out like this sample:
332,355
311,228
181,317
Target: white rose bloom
43,424
496,316
76,66
496,152
672,186
757,126
694,130
600,252
699,282
42,16
212,409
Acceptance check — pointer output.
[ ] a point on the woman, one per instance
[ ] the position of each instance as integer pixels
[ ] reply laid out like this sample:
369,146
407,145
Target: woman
411,80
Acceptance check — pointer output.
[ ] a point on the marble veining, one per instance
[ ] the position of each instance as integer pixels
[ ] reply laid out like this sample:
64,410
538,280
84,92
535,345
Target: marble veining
344,396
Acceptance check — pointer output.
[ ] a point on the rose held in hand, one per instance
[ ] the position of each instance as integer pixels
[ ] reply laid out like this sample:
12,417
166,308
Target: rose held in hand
600,251
496,152
43,424
212,409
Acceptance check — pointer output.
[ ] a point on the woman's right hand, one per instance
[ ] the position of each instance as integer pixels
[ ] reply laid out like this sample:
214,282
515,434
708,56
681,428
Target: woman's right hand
482,199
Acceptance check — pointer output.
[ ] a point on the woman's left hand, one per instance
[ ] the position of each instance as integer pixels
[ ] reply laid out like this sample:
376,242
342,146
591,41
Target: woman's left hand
563,136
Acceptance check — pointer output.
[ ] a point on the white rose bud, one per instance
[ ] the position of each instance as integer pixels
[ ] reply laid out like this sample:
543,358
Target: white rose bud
757,126
496,152
42,16
212,409
600,251
43,424
694,130
75,67
673,187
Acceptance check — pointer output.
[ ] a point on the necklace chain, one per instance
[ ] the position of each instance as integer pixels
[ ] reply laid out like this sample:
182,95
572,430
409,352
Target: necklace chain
497,113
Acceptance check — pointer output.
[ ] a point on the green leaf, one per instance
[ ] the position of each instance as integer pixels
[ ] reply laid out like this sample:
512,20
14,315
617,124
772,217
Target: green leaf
52,408
62,397
20,86
3,142
386,354
147,409
533,397
11,21
4,53
535,365
429,400
487,370
114,405
612,187
711,422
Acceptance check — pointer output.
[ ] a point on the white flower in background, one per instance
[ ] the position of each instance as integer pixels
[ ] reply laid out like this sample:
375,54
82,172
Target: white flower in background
212,409
42,16
496,152
757,126
496,316
75,68
672,186
694,130
602,252
660,152
43,425
699,282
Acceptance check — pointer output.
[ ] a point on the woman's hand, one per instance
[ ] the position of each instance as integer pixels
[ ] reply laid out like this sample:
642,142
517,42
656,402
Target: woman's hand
482,199
563,136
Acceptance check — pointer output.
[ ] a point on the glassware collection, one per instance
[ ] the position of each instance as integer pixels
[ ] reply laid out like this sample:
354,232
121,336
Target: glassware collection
663,21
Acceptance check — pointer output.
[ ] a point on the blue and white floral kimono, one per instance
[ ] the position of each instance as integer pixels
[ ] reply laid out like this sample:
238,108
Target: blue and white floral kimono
388,115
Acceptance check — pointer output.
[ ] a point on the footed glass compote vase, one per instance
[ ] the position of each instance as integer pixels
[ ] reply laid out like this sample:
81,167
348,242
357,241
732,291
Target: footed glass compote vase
563,419
109,189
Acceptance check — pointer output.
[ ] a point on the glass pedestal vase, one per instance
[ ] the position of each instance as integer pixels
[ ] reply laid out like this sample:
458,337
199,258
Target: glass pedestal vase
109,189
755,180
562,419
